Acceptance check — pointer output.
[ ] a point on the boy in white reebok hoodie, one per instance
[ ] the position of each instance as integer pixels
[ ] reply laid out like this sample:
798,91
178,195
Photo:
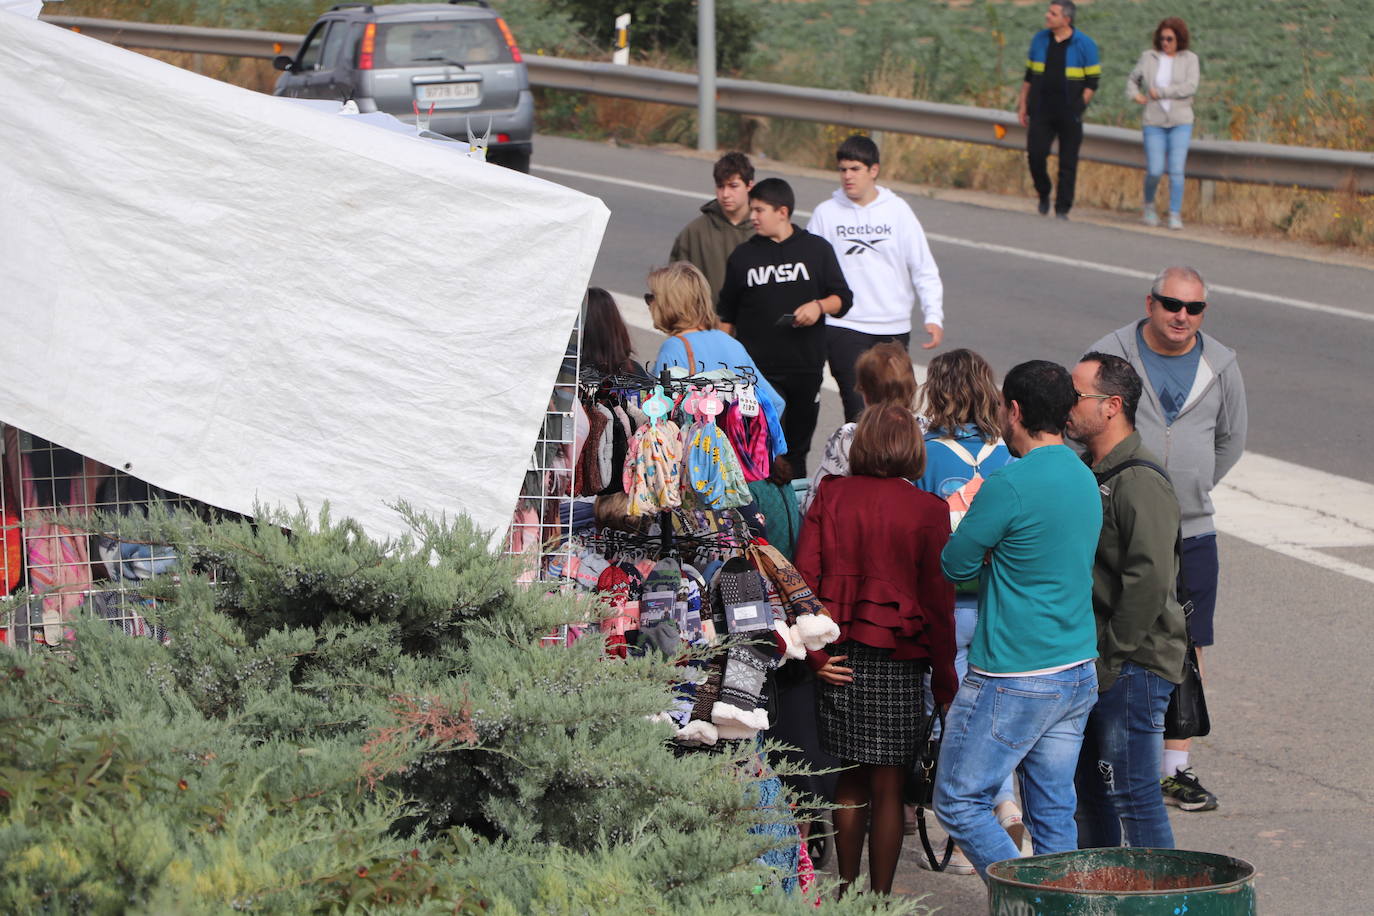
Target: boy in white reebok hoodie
886,260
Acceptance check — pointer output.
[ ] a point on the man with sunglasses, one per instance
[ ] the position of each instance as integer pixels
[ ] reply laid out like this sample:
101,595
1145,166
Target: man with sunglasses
1193,416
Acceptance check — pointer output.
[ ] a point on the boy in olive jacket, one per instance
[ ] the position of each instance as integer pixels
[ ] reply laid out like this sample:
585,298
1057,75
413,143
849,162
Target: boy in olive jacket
707,241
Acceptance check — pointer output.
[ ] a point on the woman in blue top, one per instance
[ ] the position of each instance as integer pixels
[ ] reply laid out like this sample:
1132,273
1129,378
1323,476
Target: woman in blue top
679,300
962,405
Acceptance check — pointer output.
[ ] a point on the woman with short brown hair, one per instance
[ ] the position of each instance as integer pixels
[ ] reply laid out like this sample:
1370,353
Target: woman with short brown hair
883,374
870,550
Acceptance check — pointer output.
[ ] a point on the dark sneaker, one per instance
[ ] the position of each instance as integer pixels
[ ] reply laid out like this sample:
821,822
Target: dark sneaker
1044,206
1182,790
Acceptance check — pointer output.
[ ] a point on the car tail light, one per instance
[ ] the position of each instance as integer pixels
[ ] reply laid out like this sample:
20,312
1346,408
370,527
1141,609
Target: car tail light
510,40
368,45
503,138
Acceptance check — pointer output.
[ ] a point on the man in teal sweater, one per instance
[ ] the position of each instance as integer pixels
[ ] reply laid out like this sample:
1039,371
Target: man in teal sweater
1029,537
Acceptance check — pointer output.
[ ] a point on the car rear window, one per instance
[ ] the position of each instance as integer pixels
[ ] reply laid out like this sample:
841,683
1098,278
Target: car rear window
468,41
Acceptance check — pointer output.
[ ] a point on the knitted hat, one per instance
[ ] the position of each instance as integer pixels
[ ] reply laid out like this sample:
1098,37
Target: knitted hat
737,711
660,591
741,690
687,611
662,636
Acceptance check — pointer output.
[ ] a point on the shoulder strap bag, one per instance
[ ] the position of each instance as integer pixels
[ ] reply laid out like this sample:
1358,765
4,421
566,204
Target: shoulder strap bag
691,359
920,784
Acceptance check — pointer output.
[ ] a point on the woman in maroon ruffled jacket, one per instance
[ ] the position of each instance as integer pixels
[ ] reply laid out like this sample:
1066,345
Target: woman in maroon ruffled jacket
870,549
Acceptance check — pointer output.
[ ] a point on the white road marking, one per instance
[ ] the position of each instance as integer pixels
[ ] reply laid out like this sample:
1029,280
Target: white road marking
1290,509
1301,304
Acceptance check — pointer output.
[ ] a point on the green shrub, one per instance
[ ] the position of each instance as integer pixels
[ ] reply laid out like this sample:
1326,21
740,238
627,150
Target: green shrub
340,724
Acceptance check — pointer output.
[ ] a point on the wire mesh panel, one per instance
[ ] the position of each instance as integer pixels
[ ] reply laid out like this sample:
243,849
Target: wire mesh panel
62,567
541,527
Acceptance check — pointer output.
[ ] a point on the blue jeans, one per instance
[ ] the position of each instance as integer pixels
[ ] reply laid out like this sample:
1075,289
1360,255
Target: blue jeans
1118,768
1033,725
1166,146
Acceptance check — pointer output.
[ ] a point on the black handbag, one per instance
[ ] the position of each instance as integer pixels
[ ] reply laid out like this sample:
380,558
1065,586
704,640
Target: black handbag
1187,714
920,784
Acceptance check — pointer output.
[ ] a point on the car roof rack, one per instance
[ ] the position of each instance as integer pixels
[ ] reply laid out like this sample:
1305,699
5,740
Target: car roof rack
366,7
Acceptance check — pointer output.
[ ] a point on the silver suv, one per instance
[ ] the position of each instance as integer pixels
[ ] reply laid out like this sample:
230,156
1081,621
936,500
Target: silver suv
454,63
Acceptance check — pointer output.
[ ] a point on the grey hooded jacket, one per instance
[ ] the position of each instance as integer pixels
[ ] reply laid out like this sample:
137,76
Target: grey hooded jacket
1207,437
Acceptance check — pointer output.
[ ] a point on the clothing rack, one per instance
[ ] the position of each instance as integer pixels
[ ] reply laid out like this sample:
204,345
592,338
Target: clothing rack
609,541
593,380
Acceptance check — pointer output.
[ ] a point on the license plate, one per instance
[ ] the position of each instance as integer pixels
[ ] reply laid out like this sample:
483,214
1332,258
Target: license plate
447,92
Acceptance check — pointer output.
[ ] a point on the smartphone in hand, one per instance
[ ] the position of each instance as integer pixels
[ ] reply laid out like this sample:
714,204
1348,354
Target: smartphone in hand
786,321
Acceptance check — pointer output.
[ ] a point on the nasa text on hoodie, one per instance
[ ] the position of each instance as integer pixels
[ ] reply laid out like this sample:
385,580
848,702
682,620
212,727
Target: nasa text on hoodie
765,280
886,260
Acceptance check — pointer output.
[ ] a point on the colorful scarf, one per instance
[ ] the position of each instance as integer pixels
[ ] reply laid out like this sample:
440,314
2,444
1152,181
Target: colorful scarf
796,595
749,436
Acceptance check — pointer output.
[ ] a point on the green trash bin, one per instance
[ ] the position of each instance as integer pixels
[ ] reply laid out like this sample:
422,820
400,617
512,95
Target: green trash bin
1122,882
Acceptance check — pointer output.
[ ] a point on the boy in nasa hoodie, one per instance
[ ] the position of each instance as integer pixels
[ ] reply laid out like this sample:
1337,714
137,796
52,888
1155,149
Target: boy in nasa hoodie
779,288
886,262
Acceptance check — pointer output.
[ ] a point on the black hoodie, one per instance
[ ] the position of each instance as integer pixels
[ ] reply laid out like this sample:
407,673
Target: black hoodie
765,280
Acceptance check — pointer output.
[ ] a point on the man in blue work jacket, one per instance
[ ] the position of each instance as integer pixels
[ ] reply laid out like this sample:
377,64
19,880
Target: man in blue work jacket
1062,71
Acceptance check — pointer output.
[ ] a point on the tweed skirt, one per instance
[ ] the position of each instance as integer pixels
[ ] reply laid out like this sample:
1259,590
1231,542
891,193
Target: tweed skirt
876,718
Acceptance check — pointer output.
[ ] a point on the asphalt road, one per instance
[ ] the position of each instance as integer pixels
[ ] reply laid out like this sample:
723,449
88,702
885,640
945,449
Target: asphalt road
1289,681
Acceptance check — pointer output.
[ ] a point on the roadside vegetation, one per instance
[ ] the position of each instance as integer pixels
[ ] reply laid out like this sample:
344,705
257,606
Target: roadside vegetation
1297,73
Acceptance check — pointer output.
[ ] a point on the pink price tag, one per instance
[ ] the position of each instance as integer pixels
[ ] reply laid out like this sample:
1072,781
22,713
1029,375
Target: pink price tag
710,404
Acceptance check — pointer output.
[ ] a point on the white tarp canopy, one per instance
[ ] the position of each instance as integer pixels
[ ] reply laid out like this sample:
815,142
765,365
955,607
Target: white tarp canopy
246,300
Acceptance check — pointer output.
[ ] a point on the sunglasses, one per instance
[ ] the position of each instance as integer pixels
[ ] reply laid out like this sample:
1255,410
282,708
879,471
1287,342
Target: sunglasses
1171,304
649,299
1099,397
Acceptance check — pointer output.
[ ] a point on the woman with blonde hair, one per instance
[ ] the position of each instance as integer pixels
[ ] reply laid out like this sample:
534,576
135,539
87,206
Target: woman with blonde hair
961,402
1164,81
883,374
679,301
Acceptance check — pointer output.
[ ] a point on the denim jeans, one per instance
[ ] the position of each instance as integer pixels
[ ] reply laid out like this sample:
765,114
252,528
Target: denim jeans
1118,768
965,623
1033,725
1166,146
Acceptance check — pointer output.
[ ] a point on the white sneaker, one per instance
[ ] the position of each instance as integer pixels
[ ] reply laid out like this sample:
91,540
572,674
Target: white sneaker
1175,221
1151,217
958,862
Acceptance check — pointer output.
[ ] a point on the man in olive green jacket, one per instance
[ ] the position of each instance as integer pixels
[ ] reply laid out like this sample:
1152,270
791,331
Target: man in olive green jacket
1141,634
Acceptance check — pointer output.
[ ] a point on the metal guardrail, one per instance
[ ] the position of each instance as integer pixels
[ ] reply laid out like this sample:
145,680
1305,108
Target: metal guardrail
1221,160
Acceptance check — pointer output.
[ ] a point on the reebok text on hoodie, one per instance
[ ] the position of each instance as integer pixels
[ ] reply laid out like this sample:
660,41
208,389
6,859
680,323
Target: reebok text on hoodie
886,260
